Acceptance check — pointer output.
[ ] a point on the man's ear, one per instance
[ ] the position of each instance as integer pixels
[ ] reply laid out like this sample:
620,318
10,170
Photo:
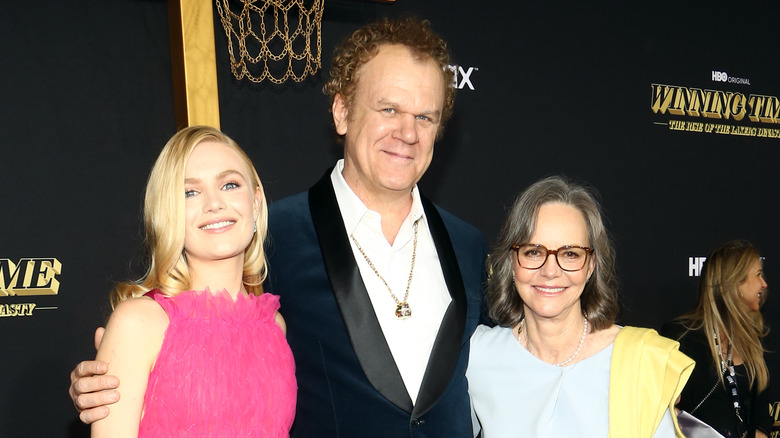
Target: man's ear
340,114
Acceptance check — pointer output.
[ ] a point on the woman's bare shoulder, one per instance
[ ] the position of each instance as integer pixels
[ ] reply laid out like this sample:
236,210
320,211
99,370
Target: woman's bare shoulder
141,314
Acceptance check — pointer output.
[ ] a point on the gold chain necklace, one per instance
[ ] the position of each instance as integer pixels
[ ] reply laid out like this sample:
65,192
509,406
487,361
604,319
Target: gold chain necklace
402,309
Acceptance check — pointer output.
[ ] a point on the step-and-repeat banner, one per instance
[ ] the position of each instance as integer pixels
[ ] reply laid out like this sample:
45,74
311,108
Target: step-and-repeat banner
672,112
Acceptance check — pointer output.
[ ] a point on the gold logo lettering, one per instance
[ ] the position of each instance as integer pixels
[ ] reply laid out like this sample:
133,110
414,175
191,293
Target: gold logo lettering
713,104
23,309
31,276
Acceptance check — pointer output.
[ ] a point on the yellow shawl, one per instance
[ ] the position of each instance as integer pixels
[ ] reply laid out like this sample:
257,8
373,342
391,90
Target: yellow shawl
647,374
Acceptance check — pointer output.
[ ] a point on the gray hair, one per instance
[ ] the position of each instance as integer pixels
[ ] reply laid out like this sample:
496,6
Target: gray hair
599,299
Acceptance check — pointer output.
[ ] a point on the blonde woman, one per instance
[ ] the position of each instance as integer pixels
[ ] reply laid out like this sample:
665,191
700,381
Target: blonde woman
723,334
198,348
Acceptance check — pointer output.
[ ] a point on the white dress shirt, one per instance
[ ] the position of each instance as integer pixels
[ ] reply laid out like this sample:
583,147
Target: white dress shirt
410,340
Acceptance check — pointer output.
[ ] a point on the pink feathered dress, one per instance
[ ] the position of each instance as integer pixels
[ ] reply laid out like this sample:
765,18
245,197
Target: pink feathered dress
224,369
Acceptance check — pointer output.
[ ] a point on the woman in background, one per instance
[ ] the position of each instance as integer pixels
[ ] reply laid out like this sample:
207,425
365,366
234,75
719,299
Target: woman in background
556,364
198,348
727,389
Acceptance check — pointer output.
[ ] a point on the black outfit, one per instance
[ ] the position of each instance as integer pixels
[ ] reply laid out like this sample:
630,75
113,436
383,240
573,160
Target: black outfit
718,408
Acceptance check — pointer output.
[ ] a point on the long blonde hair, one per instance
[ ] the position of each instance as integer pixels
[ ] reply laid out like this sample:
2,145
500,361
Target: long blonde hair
164,221
720,309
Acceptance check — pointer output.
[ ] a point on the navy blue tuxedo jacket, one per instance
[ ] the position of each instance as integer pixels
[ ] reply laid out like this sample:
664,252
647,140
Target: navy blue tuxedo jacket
348,383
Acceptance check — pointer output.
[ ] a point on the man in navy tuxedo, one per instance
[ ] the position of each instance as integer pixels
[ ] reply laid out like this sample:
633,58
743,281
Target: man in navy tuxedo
380,288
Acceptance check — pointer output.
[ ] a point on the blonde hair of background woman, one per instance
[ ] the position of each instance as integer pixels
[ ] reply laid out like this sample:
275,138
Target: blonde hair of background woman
721,308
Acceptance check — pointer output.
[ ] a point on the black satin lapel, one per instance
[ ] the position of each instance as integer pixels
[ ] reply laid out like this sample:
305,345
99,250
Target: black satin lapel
364,330
446,348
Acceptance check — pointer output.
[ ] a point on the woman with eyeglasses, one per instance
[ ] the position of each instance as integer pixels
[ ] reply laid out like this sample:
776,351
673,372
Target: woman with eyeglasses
723,334
556,364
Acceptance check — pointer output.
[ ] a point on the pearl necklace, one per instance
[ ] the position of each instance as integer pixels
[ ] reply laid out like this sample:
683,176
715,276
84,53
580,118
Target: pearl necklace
579,347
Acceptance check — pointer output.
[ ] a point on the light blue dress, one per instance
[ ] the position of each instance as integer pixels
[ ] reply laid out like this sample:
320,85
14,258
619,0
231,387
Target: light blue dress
515,394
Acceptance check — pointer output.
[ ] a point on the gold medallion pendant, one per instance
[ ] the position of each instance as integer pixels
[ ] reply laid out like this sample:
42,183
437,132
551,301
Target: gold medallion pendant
403,311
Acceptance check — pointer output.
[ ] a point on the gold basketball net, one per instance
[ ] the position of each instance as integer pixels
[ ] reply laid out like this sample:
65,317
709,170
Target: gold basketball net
275,39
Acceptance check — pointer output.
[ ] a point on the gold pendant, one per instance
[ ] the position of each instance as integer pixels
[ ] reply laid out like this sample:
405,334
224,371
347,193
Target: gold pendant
403,311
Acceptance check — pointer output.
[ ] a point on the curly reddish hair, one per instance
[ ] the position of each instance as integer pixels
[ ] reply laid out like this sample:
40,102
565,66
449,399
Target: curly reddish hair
360,47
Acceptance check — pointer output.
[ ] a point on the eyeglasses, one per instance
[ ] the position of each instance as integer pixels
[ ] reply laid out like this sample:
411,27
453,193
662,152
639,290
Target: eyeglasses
570,257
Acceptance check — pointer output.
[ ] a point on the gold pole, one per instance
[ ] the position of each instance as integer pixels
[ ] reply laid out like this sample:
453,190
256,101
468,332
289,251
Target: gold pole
193,63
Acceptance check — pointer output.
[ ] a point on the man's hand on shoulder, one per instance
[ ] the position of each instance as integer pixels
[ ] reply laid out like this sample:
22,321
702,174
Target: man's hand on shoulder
90,389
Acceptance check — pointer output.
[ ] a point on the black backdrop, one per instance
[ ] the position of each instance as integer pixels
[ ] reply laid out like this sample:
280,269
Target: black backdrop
561,87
